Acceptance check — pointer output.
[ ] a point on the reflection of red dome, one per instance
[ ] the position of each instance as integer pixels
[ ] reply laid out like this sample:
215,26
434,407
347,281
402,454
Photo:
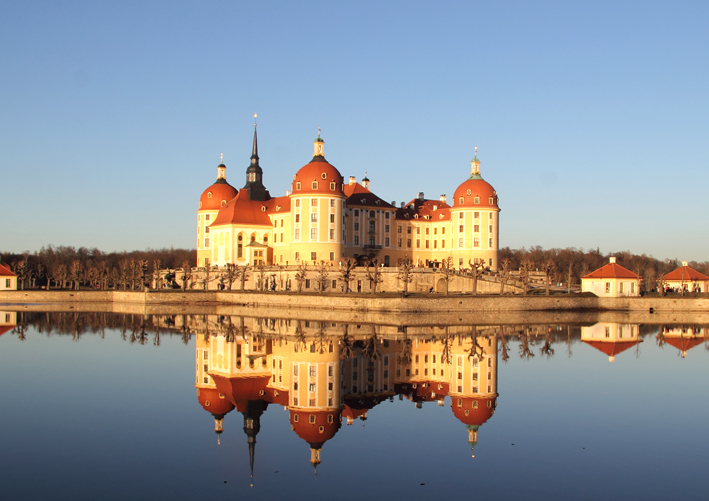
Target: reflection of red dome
213,196
478,188
239,390
321,172
468,413
315,430
211,402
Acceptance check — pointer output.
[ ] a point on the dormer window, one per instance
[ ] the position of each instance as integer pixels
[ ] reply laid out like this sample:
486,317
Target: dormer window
378,202
440,216
209,195
477,200
492,201
297,186
315,185
278,207
363,201
263,208
461,200
406,216
435,207
332,186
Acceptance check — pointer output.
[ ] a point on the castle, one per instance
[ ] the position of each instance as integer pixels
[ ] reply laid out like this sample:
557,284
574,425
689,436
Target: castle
324,218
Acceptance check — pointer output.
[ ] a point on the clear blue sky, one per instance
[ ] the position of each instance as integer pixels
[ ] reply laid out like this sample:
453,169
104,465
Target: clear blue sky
591,118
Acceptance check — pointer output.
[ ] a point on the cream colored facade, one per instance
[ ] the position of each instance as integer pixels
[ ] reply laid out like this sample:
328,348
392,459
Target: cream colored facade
318,224
611,338
8,280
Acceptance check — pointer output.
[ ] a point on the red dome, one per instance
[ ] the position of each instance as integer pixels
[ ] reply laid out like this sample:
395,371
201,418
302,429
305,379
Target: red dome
320,173
213,196
468,414
318,431
472,188
212,402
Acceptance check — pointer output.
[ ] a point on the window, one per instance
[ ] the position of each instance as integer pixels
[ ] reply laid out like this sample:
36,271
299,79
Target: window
386,242
297,186
332,200
418,243
307,283
491,201
313,233
398,229
477,200
311,387
356,240
632,287
332,218
371,226
356,226
386,228
476,215
489,228
408,230
476,228
461,200
311,370
476,242
297,203
428,244
297,218
206,218
443,230
386,215
468,192
435,231
460,228
621,287
206,230
608,287
314,185
443,244
356,212
428,230
313,202
281,238
489,244
435,244
206,244
314,217
281,222
314,256
398,242
332,235
408,243
371,213
297,236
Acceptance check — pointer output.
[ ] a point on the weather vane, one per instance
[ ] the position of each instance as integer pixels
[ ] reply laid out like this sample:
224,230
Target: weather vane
318,131
476,151
255,115
221,158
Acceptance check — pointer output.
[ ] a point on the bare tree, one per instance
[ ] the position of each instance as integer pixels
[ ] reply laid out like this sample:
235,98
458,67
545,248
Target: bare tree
504,275
524,271
405,273
447,270
476,270
156,273
186,274
300,275
374,274
322,272
549,268
570,275
230,274
243,274
347,268
76,269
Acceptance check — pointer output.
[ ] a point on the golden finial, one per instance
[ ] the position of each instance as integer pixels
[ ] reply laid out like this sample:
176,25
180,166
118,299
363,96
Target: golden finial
476,152
255,115
221,158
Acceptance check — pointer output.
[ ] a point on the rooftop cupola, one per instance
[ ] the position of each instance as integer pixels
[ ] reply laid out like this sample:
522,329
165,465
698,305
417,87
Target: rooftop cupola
365,180
221,168
318,148
475,166
254,174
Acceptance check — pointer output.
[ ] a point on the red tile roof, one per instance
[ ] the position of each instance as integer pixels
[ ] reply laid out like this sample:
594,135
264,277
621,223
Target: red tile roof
611,348
242,210
685,273
612,270
427,210
359,196
684,343
321,172
5,271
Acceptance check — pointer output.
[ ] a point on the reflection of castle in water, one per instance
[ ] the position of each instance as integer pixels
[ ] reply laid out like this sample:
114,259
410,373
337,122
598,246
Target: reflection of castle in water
324,373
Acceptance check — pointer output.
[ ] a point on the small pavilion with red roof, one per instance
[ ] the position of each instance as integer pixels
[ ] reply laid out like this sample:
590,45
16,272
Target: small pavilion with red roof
8,280
611,280
686,278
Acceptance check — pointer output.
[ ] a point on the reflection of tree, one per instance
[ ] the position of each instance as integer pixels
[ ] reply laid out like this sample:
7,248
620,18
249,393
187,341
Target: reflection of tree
347,349
475,350
404,356
371,346
661,341
525,351
546,348
504,345
299,336
447,344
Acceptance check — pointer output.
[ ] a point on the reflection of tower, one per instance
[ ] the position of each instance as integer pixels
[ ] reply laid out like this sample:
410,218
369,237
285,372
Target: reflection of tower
474,383
252,425
315,408
611,338
209,397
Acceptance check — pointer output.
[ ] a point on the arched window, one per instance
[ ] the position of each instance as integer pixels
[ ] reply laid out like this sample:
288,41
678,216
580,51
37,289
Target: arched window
265,240
240,246
253,237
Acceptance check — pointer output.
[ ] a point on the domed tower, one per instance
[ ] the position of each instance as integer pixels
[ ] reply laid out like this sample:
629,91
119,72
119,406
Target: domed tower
475,220
317,208
212,199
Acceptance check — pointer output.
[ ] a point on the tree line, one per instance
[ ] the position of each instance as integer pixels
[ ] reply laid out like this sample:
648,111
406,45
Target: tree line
68,267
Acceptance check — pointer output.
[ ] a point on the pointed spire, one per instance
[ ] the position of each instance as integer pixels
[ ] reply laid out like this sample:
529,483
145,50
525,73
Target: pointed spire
254,150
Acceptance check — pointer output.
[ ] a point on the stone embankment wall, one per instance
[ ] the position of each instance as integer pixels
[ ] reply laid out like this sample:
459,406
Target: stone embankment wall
363,302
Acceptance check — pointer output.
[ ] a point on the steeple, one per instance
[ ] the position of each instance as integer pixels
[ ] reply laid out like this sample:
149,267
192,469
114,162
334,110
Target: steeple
252,425
254,174
475,166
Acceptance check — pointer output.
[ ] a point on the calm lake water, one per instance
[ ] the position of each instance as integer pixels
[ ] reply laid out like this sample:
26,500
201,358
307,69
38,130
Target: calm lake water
107,406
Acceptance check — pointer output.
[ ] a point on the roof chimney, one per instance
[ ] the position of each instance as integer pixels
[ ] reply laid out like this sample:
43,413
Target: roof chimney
442,198
287,193
685,263
393,202
403,204
420,195
353,180
612,260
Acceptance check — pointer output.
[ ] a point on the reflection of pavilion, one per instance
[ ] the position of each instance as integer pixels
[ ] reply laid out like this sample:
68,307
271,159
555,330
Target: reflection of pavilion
8,321
611,338
322,375
682,337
